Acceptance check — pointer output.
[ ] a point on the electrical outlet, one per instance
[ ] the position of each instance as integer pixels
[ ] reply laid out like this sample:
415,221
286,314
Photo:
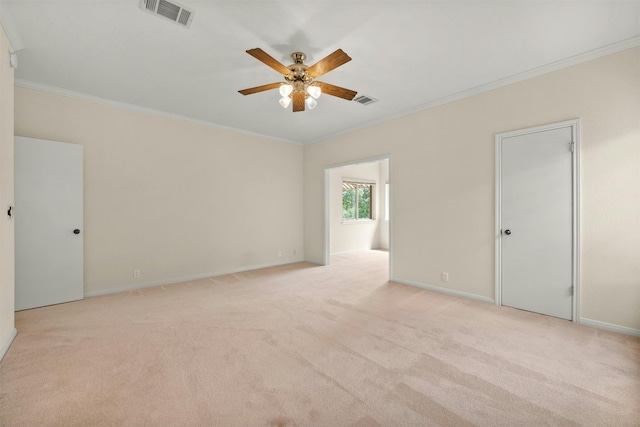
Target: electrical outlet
136,273
445,276
279,254
295,252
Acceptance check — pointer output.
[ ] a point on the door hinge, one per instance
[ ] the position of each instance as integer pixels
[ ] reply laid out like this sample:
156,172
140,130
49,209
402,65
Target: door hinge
571,290
572,146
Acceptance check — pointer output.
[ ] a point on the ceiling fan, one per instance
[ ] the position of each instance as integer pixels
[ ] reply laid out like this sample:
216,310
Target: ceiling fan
301,86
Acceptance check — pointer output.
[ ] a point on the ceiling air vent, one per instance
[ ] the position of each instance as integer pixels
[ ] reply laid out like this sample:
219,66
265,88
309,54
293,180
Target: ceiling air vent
365,99
169,10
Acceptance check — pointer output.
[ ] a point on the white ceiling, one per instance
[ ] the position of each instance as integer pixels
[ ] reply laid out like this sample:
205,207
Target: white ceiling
408,54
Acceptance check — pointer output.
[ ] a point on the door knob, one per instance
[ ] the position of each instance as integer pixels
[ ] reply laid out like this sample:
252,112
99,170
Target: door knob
76,231
507,232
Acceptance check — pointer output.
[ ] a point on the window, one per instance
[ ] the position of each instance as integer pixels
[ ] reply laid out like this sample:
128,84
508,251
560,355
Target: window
357,201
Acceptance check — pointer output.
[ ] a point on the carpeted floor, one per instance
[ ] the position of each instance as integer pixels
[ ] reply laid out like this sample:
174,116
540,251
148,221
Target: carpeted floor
303,345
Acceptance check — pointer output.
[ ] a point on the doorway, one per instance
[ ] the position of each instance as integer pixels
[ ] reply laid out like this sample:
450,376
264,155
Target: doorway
537,219
358,208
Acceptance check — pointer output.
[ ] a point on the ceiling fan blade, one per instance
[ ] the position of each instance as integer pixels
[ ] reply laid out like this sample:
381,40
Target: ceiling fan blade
269,60
260,88
298,101
328,63
338,91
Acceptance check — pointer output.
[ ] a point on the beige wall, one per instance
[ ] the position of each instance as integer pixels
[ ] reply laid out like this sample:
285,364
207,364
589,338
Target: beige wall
443,172
7,329
198,185
173,198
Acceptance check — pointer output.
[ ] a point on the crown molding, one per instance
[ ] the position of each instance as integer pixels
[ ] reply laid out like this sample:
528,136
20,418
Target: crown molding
539,71
27,84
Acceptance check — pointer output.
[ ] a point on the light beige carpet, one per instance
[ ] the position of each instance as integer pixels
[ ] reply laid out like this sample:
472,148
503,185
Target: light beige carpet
303,345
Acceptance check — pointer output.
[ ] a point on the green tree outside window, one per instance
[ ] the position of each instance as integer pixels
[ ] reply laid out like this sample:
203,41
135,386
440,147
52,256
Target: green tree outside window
357,201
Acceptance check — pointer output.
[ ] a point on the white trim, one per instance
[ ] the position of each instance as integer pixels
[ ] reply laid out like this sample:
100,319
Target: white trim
554,66
391,219
577,218
26,84
358,180
610,327
442,290
497,226
359,221
184,279
574,124
352,251
5,347
327,216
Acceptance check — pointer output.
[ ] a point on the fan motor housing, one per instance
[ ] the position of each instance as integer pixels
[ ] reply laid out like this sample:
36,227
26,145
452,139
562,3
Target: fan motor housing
298,77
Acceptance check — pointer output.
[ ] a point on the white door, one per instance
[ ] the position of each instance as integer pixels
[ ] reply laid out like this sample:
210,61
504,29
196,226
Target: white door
48,228
536,213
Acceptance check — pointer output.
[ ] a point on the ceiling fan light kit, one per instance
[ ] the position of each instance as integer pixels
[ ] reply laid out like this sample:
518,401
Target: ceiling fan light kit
311,93
285,101
310,102
301,87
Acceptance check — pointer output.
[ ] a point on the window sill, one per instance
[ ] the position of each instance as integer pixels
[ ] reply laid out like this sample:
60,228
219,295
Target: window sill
359,221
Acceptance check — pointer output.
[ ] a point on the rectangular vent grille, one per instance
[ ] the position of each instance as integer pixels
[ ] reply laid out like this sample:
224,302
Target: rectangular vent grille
169,10
184,18
365,99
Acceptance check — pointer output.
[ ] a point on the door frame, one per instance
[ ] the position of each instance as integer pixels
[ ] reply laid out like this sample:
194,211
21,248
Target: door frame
575,158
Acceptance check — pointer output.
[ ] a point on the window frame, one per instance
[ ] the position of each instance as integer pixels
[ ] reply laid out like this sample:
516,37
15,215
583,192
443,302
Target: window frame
356,183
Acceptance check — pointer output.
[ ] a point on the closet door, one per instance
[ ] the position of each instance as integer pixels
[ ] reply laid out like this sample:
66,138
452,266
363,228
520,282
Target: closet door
48,222
536,211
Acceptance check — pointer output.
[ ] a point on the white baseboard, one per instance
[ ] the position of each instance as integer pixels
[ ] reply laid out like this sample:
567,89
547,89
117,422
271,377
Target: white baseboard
352,251
444,290
183,279
610,327
348,252
583,321
7,343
